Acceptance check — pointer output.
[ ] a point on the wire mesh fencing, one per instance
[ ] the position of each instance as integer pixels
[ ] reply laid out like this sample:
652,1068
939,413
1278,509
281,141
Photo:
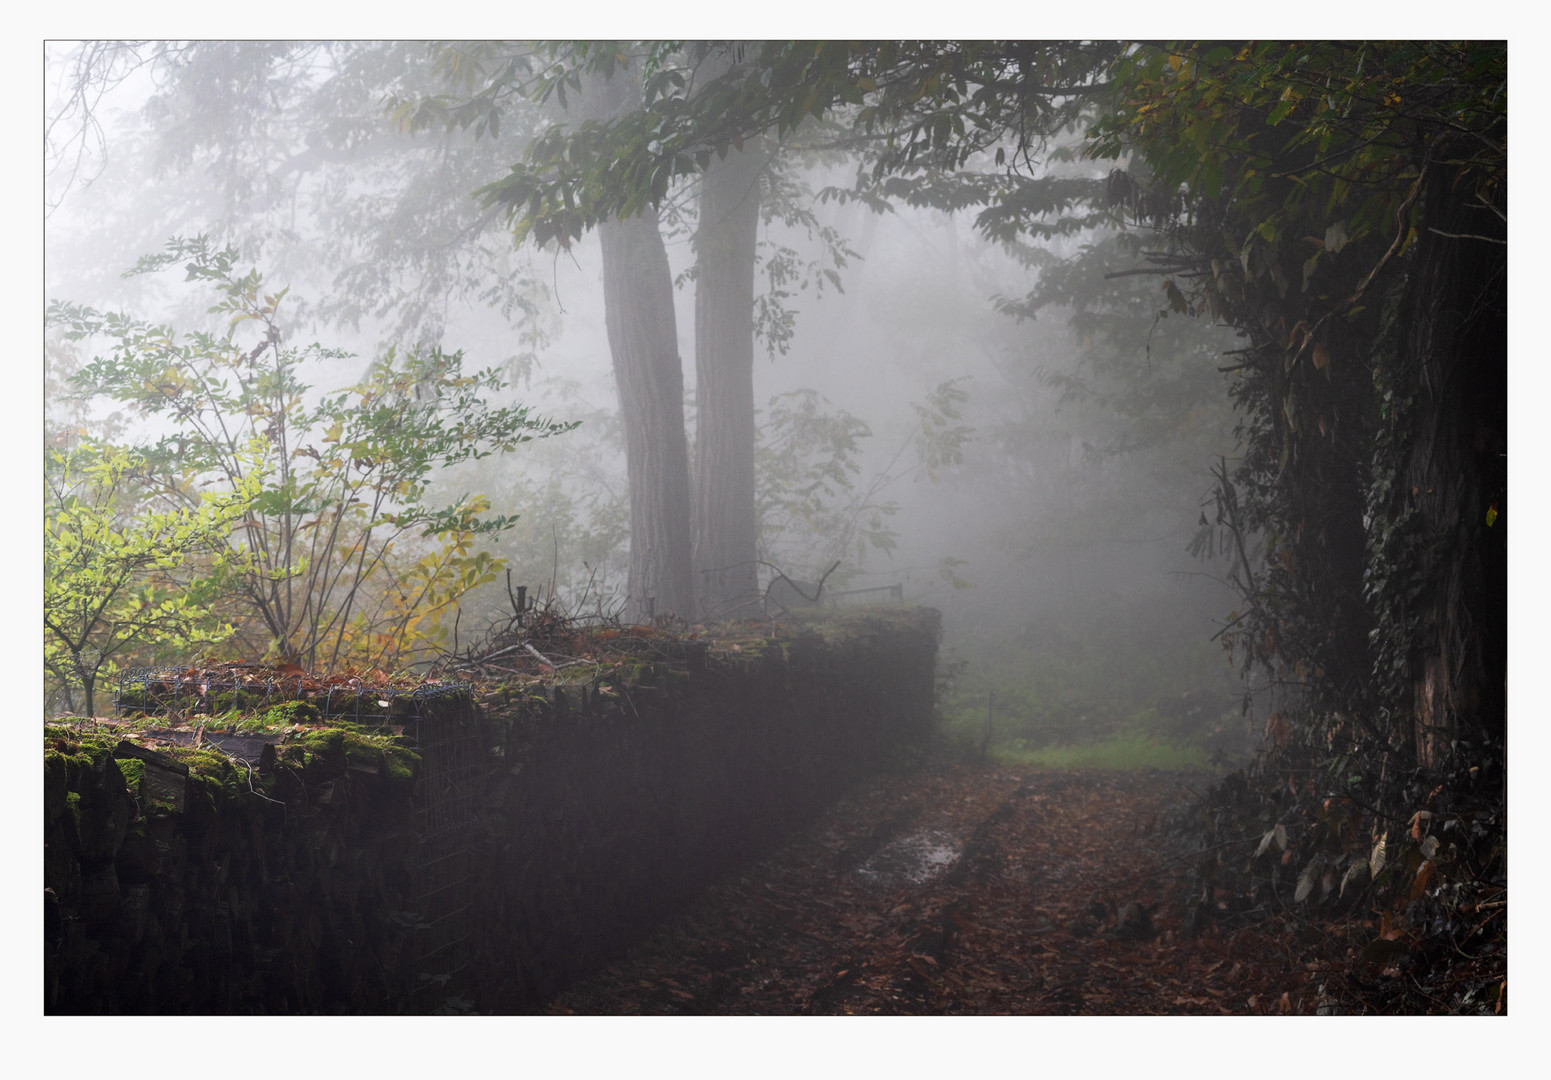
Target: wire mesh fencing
190,693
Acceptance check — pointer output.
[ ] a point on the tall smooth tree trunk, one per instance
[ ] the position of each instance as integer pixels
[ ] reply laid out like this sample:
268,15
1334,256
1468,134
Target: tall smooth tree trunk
638,310
649,375
726,570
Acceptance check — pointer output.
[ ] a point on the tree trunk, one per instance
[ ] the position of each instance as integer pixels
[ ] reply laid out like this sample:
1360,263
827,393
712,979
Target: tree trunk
1457,471
88,677
725,522
649,375
638,309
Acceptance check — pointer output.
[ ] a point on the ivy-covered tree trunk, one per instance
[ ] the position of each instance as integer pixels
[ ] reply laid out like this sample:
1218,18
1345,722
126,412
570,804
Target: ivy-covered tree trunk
1363,253
1326,414
725,521
1455,468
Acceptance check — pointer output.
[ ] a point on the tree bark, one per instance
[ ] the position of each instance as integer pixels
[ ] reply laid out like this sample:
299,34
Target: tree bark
638,310
1457,470
648,373
725,520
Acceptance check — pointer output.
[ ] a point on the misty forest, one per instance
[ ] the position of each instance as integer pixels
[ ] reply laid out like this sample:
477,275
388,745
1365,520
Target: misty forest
909,527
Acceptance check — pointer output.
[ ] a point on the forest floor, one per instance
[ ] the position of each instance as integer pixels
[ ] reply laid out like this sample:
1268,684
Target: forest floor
961,889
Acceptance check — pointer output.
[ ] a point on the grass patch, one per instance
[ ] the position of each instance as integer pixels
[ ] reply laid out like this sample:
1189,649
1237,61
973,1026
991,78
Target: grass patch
1127,750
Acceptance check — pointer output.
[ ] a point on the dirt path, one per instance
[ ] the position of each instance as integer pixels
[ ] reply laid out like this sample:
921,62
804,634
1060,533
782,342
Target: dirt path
959,891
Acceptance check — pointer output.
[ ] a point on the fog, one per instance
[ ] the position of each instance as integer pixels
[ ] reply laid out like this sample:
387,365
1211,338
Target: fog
1053,539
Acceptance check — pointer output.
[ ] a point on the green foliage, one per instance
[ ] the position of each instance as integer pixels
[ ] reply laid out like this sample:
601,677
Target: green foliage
1060,712
813,508
1306,167
113,553
571,541
787,199
807,462
910,108
941,439
1092,676
341,554
1130,750
1314,147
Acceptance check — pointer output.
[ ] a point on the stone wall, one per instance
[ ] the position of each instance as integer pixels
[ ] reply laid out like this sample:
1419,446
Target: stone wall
339,873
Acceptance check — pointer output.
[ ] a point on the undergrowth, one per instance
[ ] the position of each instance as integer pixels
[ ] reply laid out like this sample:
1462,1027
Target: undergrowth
1093,692
1124,750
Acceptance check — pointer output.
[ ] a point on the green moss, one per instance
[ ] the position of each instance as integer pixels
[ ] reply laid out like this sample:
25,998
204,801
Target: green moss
289,713
341,724
235,701
323,740
384,754
155,808
212,777
402,764
56,773
255,725
73,802
225,720
207,763
134,773
72,760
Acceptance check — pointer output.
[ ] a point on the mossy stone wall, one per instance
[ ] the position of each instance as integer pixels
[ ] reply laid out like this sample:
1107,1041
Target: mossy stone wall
179,882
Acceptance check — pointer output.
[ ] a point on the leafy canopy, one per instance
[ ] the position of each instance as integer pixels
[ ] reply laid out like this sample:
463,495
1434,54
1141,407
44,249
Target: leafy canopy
921,110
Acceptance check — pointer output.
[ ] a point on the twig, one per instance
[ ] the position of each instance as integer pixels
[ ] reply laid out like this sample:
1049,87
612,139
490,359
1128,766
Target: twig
1362,288
1467,236
498,667
516,607
249,765
554,568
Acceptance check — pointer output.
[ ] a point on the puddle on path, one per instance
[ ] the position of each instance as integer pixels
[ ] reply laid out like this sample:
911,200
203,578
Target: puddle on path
913,859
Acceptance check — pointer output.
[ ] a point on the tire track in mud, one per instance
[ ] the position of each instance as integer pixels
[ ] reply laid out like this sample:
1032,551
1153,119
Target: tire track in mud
926,930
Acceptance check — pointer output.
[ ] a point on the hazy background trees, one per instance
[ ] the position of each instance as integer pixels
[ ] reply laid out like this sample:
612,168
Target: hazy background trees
994,424
1341,205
